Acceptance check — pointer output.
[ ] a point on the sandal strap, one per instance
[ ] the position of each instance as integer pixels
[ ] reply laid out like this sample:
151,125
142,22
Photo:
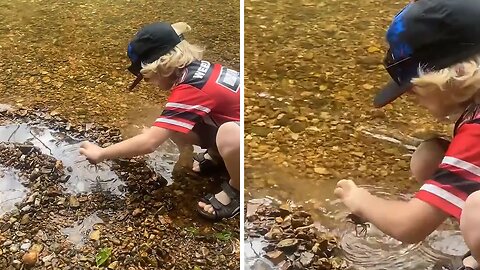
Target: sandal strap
217,205
221,210
200,157
232,193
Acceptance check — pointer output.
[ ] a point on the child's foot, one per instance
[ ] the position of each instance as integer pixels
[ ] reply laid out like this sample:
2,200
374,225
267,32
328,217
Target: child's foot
225,204
469,263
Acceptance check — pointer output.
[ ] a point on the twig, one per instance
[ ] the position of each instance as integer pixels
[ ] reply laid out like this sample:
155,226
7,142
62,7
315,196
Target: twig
51,153
15,131
254,251
304,228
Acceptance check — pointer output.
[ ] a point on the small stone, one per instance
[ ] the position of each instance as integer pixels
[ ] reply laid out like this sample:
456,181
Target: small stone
7,243
26,208
59,165
306,259
113,265
116,241
288,244
13,248
25,219
367,86
129,229
37,248
95,235
30,258
137,212
16,264
275,256
73,202
25,246
321,170
48,258
373,49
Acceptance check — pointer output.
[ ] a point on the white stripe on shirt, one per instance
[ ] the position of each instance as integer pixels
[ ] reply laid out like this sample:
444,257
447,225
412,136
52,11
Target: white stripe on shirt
449,197
188,107
174,122
472,168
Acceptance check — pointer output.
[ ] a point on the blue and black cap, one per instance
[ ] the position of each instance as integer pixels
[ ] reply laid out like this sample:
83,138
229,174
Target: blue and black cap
149,44
431,35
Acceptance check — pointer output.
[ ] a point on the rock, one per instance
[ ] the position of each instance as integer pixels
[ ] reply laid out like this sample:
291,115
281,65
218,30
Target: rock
306,259
116,241
285,265
26,208
262,264
7,243
37,248
25,246
48,258
95,235
321,170
16,264
275,256
113,265
274,233
25,148
30,258
288,244
73,202
25,219
137,212
14,248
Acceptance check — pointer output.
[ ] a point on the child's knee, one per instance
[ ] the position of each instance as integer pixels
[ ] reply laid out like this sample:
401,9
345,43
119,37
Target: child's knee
470,220
228,138
425,160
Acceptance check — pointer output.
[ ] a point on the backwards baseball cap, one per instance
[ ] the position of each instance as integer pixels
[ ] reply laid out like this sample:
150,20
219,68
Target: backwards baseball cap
148,45
431,34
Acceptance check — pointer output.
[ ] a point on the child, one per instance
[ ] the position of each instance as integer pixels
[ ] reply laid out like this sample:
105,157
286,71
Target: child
434,57
203,109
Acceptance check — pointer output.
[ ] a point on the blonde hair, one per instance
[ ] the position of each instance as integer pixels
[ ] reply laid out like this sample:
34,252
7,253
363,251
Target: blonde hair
179,57
459,82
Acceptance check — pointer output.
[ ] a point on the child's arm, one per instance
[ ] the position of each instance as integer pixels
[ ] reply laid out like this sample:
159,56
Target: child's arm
407,221
141,144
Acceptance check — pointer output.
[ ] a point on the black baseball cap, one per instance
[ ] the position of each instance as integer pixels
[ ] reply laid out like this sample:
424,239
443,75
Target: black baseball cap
149,44
431,34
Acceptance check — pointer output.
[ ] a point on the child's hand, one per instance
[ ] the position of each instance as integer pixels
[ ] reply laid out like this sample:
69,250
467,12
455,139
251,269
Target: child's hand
351,195
92,152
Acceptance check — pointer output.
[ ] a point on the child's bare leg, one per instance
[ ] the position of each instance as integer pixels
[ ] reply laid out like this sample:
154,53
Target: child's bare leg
185,140
228,144
470,227
426,158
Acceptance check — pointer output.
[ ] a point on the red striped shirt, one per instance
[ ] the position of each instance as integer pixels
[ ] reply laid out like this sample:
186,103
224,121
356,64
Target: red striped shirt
207,93
459,173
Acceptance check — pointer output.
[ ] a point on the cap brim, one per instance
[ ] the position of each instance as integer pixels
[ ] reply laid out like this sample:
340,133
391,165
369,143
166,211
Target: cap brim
135,68
134,83
389,93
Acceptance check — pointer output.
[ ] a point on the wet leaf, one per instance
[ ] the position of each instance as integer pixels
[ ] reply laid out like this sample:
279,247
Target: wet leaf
103,256
223,236
192,230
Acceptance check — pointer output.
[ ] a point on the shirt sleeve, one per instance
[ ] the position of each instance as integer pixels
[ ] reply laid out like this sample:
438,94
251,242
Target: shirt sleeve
185,107
458,174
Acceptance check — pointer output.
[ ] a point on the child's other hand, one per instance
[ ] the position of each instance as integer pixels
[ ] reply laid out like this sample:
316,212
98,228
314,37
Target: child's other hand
351,195
92,152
